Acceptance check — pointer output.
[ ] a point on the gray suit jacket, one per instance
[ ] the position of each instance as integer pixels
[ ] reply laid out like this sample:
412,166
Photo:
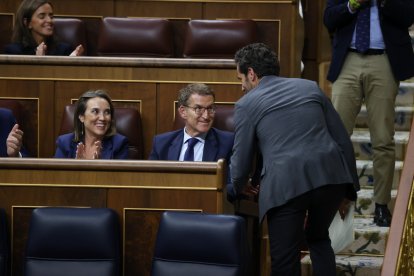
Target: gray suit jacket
301,137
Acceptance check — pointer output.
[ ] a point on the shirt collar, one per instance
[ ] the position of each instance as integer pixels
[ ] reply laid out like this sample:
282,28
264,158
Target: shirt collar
200,138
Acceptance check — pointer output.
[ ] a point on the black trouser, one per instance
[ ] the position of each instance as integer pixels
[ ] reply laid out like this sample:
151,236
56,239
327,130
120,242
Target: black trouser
287,231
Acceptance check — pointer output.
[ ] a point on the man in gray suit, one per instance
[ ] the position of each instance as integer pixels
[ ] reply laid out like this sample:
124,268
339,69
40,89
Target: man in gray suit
308,159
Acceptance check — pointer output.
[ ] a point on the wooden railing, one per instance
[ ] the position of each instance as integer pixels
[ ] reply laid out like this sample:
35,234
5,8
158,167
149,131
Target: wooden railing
399,253
139,191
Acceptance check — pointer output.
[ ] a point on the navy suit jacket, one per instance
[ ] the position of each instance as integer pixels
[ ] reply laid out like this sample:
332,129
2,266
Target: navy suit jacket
7,122
218,144
114,147
61,49
396,16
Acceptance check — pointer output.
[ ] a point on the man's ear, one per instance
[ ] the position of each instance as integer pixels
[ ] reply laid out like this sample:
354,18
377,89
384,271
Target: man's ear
183,112
251,75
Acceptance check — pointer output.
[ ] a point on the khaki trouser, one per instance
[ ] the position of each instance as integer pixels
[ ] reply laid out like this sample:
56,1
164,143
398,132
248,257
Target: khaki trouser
369,79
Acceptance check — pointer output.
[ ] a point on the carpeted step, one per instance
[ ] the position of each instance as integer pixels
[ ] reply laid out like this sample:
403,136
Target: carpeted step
369,238
405,95
365,206
365,173
349,265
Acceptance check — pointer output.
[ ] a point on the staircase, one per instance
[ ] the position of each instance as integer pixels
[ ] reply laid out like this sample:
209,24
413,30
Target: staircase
364,256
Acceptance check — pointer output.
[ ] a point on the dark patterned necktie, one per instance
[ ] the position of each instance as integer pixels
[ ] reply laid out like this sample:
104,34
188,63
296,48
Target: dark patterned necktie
189,153
362,29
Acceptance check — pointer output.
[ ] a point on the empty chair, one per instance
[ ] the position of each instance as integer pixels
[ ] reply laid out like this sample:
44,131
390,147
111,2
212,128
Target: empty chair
218,38
128,123
223,118
4,245
197,244
136,37
73,241
71,31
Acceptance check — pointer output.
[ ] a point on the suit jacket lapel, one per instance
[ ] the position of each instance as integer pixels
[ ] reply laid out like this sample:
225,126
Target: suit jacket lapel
210,146
175,149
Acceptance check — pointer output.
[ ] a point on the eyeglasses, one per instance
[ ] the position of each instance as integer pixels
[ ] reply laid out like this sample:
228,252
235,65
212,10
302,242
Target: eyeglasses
199,110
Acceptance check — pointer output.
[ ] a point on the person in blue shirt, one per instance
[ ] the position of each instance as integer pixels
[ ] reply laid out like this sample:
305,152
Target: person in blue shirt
94,135
371,54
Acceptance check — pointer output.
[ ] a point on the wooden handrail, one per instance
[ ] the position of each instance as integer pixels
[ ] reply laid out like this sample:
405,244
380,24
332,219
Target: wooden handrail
398,224
119,61
109,165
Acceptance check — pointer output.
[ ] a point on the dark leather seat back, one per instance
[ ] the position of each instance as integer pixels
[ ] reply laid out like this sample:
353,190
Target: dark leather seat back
14,106
136,37
4,245
223,119
200,244
218,38
128,123
71,31
73,241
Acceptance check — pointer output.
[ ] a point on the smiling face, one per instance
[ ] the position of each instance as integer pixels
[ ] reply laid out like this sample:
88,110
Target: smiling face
97,118
41,23
197,124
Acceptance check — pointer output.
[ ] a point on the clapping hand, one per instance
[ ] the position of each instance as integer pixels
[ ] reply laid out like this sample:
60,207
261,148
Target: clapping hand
14,141
98,149
78,51
41,49
81,150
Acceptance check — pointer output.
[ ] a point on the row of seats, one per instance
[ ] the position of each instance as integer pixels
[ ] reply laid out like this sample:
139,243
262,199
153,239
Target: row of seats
154,37
128,123
86,242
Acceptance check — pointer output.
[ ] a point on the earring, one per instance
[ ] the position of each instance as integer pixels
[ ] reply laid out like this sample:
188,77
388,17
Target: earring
82,129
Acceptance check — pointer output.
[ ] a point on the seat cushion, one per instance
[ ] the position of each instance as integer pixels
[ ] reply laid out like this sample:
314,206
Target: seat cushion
200,244
71,31
136,37
218,38
73,241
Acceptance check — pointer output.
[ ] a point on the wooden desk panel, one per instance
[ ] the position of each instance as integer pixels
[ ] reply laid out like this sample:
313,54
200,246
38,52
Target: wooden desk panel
137,190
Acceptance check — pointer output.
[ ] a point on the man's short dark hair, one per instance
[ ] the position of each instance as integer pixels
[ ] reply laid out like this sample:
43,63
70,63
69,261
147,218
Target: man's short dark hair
193,88
258,56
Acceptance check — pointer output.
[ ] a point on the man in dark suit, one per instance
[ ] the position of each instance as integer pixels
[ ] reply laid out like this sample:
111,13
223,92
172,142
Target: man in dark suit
10,135
371,54
307,158
196,107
